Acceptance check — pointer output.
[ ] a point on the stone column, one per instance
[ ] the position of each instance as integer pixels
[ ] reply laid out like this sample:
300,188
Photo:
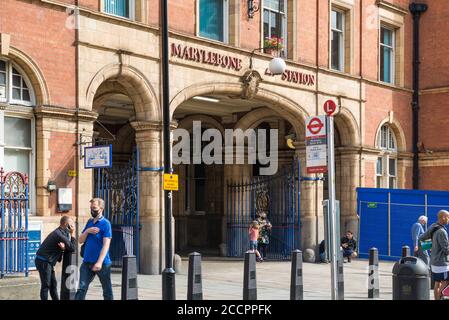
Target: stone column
43,174
148,140
312,220
349,181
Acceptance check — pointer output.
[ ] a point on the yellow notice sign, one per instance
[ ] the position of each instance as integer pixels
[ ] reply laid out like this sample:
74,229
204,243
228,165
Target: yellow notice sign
170,182
71,173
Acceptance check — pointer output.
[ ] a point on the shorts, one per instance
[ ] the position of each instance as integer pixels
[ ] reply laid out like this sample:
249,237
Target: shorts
440,276
252,245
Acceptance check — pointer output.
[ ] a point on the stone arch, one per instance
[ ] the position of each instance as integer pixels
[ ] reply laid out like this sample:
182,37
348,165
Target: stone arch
186,123
105,90
398,133
137,87
33,73
253,118
347,128
290,111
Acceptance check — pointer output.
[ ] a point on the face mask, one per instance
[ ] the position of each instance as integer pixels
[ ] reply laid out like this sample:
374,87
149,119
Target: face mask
94,213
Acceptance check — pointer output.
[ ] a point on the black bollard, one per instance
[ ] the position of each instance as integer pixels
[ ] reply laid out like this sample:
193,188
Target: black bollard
296,284
194,282
341,283
249,277
373,274
129,278
405,251
69,281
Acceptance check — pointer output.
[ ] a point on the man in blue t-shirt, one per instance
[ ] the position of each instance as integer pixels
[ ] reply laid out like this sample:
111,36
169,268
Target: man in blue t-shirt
97,235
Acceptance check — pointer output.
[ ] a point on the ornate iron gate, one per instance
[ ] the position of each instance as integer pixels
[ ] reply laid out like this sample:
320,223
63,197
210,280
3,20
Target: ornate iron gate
119,187
14,207
276,195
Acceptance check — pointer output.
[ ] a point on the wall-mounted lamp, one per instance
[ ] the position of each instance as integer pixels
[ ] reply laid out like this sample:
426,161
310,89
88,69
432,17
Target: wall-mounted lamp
277,65
253,7
51,186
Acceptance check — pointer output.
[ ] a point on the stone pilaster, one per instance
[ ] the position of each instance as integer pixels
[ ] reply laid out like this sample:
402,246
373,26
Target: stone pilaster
311,209
349,171
148,140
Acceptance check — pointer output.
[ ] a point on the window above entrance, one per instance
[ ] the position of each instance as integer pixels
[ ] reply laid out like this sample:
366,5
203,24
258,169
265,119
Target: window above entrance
213,19
275,24
121,8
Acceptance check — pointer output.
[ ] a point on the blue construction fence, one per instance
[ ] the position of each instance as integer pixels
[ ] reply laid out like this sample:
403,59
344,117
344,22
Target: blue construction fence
386,217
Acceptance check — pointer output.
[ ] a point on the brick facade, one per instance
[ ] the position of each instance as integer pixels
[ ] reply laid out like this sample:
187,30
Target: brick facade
128,52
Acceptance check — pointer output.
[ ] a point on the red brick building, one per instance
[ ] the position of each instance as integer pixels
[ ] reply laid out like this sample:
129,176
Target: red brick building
102,79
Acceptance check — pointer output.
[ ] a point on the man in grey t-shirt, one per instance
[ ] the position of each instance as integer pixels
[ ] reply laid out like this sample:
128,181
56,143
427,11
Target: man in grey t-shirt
439,257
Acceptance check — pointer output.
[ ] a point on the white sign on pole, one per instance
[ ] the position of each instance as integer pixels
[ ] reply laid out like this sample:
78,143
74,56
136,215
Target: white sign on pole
316,145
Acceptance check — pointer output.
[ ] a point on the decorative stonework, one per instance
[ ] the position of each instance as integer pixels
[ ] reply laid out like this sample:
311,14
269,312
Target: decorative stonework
64,113
251,81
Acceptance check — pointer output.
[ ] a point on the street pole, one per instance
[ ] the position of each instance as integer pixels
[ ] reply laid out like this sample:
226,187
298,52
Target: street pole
168,275
334,245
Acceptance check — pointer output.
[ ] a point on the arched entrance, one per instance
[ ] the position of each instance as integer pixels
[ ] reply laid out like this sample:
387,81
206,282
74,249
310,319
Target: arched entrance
129,119
347,169
119,184
200,204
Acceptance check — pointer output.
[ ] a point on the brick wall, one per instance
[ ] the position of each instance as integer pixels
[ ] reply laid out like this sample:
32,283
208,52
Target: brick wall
380,101
40,32
434,45
431,178
62,153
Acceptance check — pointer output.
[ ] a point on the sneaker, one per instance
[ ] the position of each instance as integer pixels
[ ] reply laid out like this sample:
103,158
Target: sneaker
349,259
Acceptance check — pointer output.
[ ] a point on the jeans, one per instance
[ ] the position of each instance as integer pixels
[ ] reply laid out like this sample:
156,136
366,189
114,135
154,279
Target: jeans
263,249
347,253
87,276
48,280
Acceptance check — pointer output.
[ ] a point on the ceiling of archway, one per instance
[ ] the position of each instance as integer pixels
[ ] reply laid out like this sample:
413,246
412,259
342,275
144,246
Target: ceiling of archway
226,107
116,109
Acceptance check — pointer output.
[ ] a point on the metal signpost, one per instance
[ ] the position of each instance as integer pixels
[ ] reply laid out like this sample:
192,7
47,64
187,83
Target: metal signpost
329,108
320,159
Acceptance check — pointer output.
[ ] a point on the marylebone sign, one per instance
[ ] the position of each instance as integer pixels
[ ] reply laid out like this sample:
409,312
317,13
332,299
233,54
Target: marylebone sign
233,63
206,57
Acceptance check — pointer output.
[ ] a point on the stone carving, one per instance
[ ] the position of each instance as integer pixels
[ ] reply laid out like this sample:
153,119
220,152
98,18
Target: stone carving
251,80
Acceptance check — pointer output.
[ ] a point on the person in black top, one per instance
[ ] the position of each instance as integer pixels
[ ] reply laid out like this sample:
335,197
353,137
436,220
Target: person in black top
50,252
322,251
349,245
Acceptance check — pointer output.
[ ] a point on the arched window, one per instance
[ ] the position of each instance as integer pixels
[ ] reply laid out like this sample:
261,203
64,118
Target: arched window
386,165
16,121
14,86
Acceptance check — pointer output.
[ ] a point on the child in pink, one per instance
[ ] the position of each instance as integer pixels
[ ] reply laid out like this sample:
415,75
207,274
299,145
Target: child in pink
253,232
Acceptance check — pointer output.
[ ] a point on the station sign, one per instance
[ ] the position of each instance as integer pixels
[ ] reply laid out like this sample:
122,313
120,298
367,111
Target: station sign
316,145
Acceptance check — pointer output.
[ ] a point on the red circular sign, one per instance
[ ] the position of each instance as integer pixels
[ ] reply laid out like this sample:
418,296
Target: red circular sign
330,107
315,125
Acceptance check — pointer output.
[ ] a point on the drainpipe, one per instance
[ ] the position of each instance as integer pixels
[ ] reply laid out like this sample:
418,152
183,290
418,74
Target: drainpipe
416,9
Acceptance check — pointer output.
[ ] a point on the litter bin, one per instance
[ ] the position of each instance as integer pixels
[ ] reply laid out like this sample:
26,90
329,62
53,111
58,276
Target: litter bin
411,280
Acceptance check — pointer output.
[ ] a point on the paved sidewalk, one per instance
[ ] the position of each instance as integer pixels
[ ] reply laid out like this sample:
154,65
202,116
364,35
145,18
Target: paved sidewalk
223,280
